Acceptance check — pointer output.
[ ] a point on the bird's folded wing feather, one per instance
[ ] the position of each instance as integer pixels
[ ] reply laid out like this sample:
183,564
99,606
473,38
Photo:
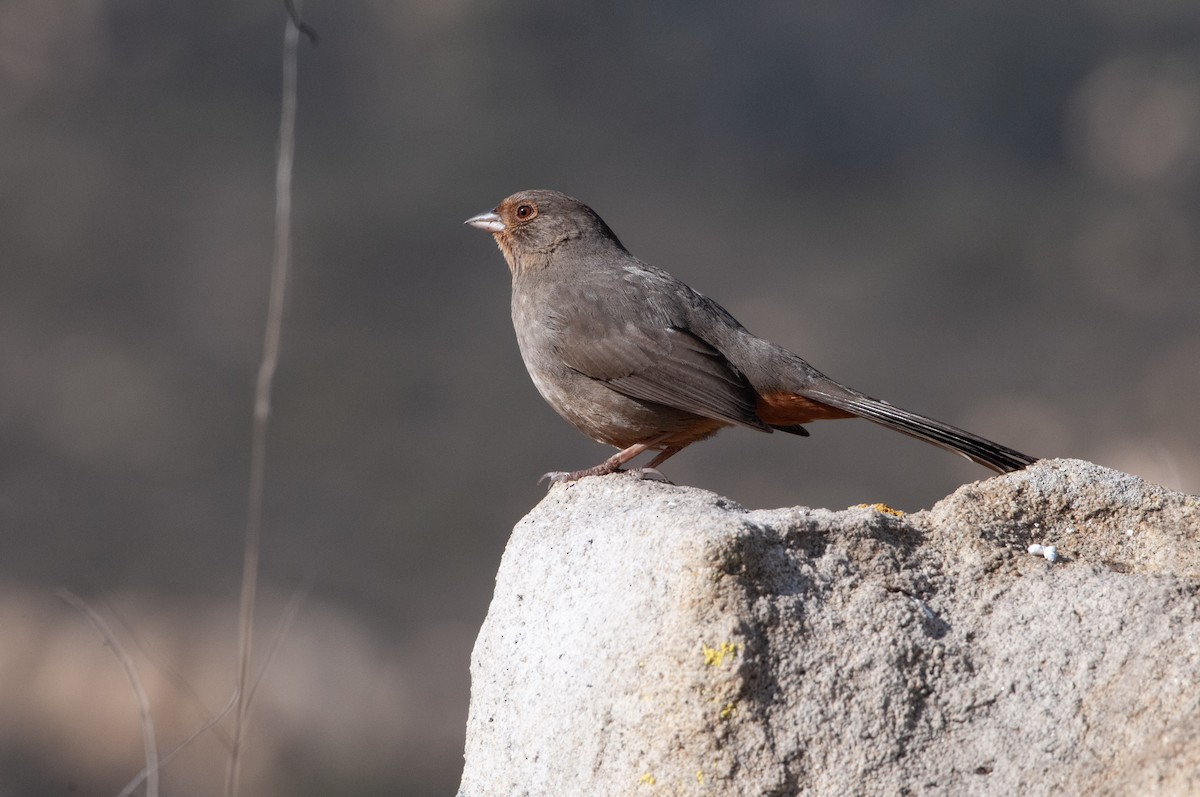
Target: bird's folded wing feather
666,365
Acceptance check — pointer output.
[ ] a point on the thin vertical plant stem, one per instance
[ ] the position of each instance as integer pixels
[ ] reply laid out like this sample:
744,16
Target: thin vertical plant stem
262,404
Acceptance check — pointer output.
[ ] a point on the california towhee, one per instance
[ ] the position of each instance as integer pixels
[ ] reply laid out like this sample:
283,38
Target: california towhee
636,359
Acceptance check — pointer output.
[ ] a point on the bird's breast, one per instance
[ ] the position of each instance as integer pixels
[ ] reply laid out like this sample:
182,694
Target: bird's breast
591,405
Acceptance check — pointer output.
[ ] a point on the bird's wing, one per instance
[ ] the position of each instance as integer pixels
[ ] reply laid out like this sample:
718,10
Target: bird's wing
663,364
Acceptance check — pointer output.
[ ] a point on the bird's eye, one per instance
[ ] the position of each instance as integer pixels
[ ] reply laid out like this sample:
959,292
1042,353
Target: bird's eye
526,211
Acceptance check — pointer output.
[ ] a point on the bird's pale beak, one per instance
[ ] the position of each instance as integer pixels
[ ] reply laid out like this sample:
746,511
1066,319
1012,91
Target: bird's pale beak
489,221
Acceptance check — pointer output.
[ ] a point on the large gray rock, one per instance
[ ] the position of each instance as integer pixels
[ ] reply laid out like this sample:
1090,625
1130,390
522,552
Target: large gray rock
660,640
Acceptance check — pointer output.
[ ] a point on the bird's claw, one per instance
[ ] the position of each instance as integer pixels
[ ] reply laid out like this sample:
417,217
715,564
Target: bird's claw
563,476
651,475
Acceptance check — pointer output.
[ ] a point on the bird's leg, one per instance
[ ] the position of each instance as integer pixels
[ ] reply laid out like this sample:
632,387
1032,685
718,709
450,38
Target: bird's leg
610,465
651,471
664,455
613,463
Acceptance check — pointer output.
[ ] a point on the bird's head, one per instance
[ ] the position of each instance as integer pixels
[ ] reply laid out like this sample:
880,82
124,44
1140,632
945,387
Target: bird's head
530,226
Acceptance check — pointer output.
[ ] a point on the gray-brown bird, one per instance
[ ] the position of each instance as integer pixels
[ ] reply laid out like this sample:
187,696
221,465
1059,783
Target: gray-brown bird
634,358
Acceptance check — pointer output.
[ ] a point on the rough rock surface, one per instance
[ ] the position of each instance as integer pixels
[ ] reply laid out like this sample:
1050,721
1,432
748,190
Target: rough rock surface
661,640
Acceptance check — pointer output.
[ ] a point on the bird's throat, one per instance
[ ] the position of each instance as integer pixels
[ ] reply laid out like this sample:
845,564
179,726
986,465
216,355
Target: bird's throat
506,249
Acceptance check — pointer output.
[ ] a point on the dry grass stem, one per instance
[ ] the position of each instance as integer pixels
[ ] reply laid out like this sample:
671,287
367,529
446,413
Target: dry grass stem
262,403
110,639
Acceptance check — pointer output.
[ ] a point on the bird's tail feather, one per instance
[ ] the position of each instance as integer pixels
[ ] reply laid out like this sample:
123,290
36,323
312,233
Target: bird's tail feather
975,448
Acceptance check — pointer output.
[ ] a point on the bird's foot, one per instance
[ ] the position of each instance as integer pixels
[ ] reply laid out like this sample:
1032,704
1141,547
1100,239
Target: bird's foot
556,476
562,476
613,465
559,476
650,475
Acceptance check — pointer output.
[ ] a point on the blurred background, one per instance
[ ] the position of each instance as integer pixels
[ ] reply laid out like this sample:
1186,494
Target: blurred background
985,212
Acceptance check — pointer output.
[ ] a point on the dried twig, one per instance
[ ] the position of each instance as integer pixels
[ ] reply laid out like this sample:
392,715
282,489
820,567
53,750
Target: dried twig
132,785
301,25
172,673
285,623
110,639
262,399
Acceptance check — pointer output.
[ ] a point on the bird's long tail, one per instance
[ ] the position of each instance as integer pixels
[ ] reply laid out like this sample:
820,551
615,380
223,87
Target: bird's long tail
975,448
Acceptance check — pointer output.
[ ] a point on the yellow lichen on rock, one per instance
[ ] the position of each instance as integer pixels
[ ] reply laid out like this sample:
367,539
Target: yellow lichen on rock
884,508
715,657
